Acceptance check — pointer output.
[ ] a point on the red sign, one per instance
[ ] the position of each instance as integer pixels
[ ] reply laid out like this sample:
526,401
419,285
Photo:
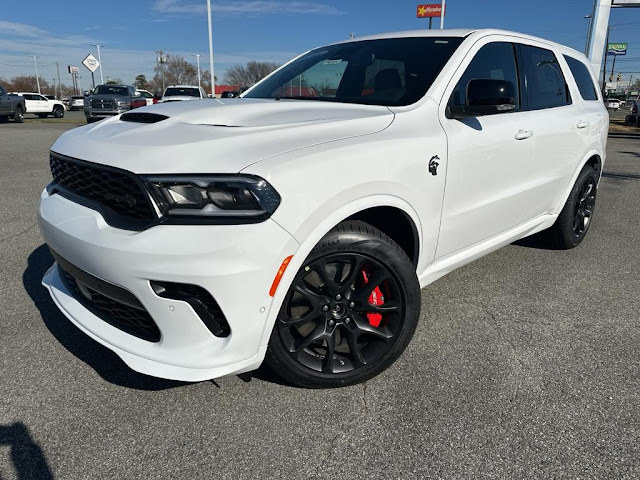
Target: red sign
431,10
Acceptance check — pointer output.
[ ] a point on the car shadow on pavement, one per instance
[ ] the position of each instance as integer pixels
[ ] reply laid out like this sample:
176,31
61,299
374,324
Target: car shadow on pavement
537,241
106,363
27,456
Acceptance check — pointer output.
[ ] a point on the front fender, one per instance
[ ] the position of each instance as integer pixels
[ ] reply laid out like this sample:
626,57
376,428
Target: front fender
314,236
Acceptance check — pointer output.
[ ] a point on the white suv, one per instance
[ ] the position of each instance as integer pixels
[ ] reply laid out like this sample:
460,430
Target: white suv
179,93
41,105
298,223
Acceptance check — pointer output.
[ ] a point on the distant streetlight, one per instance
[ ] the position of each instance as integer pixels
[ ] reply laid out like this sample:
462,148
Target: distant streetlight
99,61
197,55
213,82
37,77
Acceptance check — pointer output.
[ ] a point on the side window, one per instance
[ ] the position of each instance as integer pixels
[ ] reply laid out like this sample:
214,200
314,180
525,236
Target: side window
493,61
583,78
2,92
545,86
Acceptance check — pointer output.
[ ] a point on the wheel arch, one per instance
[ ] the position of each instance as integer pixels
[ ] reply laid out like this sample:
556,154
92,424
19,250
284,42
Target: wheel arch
595,160
355,210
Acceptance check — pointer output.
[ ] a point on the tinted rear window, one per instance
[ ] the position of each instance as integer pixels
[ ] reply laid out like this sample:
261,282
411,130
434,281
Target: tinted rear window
583,78
545,84
182,92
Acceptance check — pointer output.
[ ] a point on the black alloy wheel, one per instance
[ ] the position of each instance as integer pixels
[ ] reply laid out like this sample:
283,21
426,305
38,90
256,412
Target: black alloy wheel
584,207
18,117
576,217
349,312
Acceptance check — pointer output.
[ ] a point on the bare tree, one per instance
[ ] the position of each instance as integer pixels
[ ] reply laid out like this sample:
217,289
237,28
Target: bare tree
177,71
26,83
249,74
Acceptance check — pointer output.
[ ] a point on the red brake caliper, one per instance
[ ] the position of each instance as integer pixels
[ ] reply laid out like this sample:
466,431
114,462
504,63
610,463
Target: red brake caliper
376,298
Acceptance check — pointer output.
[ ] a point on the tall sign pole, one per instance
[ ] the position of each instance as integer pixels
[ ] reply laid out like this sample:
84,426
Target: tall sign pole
100,62
59,84
37,76
213,81
442,15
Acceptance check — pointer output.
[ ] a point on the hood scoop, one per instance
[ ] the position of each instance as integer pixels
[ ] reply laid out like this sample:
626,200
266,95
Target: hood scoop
142,117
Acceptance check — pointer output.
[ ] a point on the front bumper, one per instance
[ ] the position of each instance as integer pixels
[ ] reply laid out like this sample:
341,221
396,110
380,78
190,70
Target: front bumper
234,263
93,114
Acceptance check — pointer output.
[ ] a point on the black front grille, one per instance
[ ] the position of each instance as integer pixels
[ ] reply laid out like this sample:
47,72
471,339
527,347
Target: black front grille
113,189
104,104
135,321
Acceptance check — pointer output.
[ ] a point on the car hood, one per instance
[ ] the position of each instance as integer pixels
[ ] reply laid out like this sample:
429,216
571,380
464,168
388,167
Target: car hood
218,136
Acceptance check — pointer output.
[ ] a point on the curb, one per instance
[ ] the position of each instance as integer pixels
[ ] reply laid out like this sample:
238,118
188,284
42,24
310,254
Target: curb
624,135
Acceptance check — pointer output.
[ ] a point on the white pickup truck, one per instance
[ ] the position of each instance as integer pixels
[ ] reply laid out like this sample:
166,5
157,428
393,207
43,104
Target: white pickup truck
41,105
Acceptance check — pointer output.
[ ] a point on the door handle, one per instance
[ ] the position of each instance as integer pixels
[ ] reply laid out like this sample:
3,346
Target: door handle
583,124
524,134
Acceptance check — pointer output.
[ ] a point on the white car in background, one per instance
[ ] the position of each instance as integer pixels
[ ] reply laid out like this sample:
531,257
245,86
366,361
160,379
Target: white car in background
176,93
76,102
612,103
148,96
41,105
297,223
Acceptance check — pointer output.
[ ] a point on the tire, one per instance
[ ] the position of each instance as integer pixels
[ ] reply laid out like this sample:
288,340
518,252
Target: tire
350,311
4,119
58,112
18,116
576,216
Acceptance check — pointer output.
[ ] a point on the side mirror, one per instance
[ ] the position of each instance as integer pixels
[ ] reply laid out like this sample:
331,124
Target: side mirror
487,96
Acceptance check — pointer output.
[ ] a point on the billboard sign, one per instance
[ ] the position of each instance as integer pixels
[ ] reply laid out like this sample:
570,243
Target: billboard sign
430,10
91,63
617,49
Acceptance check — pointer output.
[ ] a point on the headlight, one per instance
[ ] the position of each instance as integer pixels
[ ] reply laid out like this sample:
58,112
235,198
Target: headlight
219,198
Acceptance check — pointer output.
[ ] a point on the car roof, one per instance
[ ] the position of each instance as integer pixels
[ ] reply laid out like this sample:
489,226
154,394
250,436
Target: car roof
462,33
182,86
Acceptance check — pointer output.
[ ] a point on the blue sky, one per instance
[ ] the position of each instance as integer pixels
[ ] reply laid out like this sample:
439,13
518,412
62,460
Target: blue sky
273,30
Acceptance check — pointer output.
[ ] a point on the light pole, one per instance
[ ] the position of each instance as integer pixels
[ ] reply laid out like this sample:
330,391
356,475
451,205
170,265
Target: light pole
586,45
197,55
99,61
442,15
213,82
37,77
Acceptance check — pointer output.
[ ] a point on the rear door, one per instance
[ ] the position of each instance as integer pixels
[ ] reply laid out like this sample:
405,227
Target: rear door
591,102
560,124
491,176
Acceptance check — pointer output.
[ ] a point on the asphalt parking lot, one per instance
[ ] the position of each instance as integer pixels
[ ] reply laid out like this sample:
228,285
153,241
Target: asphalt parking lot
525,365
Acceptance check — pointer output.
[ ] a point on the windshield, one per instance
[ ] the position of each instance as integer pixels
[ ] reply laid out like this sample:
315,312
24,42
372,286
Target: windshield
111,90
390,72
183,92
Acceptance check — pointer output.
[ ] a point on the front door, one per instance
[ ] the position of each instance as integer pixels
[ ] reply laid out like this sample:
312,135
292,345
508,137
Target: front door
490,170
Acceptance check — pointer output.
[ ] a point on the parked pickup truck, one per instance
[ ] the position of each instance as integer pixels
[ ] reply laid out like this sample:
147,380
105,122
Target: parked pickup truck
11,106
109,100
